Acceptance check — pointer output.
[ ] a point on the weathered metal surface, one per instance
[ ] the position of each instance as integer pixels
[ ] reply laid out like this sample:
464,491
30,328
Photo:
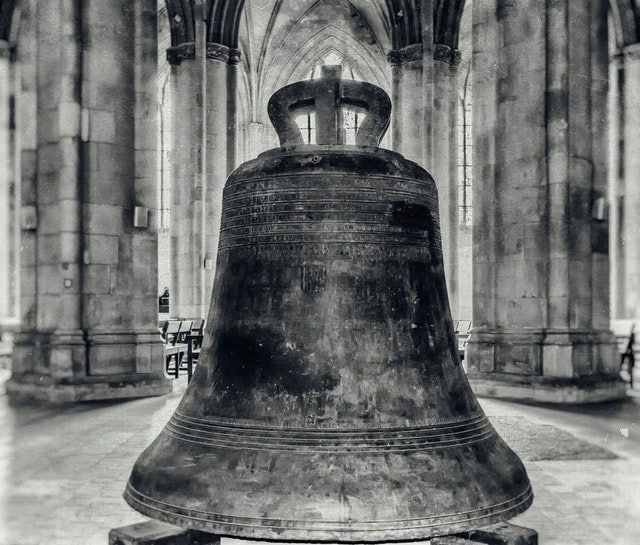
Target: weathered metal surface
329,403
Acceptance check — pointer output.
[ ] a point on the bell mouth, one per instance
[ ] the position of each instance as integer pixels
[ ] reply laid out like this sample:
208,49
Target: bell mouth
328,531
350,485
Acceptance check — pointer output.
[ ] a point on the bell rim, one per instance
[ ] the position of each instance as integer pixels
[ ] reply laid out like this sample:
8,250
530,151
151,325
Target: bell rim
329,531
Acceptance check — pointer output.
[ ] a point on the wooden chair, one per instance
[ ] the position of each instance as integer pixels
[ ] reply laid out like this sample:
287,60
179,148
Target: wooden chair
185,330
197,328
462,334
175,347
194,344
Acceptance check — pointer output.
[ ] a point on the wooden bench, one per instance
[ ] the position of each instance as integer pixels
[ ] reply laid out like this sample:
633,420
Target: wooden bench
628,348
194,345
174,333
462,334
183,341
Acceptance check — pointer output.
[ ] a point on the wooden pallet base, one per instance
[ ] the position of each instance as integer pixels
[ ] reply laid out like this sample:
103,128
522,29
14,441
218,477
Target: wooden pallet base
159,533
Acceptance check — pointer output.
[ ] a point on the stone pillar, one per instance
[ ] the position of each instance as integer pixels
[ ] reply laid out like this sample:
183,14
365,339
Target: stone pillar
630,225
256,140
200,162
222,135
424,124
540,317
187,265
616,187
92,332
408,137
625,194
233,60
10,190
5,182
443,161
27,123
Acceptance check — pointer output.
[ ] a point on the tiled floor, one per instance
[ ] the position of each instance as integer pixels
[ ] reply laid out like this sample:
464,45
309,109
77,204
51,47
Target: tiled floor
63,471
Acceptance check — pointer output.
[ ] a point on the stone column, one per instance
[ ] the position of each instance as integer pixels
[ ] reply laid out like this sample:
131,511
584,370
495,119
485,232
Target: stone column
625,194
27,123
5,181
233,60
256,140
93,330
424,95
200,162
616,188
221,140
186,262
10,190
443,161
408,137
540,318
630,232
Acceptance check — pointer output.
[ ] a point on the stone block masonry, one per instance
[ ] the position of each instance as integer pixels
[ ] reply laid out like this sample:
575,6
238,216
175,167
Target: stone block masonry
90,297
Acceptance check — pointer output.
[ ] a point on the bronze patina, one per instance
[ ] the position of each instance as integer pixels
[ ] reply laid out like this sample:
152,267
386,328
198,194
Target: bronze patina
329,403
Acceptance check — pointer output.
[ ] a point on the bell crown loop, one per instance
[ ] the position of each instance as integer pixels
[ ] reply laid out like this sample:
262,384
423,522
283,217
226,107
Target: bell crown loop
326,97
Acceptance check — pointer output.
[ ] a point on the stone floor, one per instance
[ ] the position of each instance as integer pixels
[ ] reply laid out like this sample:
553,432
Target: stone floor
62,471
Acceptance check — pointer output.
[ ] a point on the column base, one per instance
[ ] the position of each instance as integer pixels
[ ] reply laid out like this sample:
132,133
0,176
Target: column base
549,366
589,389
30,387
70,366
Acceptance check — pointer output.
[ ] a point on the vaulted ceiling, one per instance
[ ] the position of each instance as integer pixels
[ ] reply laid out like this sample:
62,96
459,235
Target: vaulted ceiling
6,16
281,41
626,18
403,21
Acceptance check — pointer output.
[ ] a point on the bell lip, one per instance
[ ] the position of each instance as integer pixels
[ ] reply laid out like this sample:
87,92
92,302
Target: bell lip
329,531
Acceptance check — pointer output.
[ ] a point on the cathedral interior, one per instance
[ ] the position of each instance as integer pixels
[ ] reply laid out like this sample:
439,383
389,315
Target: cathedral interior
119,125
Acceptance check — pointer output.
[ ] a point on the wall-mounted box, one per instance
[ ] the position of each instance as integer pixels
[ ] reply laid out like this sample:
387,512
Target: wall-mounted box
29,218
140,216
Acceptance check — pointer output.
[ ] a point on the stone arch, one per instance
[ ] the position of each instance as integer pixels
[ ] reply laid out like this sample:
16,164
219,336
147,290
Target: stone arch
223,21
446,22
405,21
354,29
329,39
181,21
7,8
223,18
626,20
403,17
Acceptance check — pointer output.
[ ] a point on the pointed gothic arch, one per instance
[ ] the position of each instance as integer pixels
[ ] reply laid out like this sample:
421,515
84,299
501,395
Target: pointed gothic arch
626,20
7,8
317,46
446,22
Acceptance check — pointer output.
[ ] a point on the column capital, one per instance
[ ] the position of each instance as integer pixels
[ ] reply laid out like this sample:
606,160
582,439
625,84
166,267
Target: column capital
617,58
6,50
182,52
444,53
218,52
631,51
409,53
223,53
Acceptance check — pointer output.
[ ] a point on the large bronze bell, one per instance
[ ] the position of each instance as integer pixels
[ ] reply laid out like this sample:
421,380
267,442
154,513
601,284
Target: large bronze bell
329,403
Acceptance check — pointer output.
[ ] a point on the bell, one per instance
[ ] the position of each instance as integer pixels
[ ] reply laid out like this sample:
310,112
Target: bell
329,403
